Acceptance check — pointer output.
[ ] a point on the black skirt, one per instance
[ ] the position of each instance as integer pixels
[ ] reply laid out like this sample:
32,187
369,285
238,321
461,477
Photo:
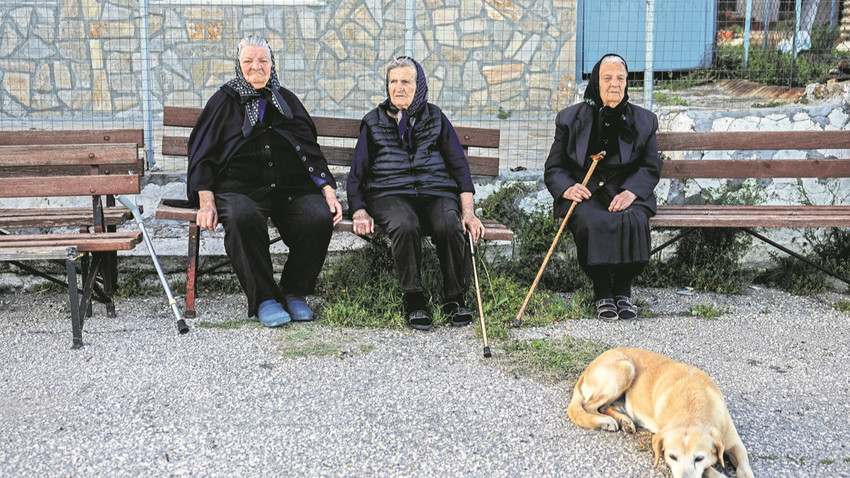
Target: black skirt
605,238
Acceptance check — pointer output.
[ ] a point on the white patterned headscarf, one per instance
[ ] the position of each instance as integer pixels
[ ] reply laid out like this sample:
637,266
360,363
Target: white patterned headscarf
251,96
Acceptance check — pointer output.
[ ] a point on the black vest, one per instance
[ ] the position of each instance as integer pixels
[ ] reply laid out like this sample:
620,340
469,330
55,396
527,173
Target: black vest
395,170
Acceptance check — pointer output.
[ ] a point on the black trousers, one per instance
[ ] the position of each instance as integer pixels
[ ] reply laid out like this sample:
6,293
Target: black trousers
406,220
304,223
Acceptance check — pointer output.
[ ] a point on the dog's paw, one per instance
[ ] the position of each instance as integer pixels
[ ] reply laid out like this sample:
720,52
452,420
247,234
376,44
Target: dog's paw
627,425
609,424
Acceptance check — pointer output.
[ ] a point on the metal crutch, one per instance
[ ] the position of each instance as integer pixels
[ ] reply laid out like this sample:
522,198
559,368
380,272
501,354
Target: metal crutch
131,205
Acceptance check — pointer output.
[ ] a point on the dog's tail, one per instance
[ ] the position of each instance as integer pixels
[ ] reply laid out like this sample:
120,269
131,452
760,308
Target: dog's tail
576,410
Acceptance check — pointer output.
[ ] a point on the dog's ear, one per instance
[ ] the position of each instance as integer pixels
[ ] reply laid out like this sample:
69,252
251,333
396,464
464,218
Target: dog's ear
657,447
718,446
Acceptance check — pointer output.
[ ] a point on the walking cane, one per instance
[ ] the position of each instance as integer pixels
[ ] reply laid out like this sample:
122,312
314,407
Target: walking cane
595,158
478,295
181,324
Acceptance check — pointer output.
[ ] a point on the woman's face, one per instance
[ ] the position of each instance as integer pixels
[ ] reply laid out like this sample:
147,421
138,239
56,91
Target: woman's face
256,65
612,83
402,86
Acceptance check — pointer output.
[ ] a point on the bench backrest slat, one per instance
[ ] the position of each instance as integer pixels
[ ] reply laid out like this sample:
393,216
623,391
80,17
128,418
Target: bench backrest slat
342,128
70,185
734,141
135,136
757,168
32,160
753,140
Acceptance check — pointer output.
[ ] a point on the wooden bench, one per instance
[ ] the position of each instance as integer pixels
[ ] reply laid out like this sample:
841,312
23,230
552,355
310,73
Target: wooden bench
92,165
179,122
747,217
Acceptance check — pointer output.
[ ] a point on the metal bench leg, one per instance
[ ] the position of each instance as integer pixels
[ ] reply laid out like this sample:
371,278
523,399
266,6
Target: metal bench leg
671,241
86,268
794,254
107,268
194,250
74,304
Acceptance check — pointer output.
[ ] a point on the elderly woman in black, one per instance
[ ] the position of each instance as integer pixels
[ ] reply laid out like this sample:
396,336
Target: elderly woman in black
610,223
253,155
409,175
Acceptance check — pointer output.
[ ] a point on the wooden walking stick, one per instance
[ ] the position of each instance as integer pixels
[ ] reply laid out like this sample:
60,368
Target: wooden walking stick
595,159
478,296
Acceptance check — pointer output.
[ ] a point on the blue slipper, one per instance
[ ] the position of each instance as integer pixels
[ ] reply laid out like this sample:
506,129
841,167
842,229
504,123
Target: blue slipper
298,308
271,314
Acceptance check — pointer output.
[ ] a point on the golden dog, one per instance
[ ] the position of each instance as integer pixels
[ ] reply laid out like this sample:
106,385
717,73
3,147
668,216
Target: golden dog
680,404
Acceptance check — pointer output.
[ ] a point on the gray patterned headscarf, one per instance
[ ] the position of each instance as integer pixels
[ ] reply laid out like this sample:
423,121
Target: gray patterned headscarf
250,97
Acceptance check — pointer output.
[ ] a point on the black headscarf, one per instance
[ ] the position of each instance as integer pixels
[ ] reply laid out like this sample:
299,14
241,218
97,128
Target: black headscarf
617,116
250,97
420,99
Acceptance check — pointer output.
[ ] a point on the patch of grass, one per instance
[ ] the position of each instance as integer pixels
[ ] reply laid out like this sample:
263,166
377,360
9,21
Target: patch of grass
550,360
827,461
229,324
842,305
310,340
707,311
769,104
503,113
794,276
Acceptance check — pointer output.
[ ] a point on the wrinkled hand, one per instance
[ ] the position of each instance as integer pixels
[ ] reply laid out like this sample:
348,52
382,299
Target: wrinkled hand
362,222
207,217
472,225
577,193
333,203
622,201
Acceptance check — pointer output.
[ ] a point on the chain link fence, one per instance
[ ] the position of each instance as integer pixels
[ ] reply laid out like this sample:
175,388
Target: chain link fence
491,63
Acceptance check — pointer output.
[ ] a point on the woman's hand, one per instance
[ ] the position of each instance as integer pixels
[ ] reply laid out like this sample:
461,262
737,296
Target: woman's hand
362,222
207,217
472,225
333,203
576,193
622,201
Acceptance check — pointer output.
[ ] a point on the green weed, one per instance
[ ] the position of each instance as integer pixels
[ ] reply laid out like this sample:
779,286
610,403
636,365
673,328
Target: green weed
550,360
842,305
707,311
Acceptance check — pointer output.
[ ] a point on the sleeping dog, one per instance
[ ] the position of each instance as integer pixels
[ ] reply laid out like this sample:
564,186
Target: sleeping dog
680,404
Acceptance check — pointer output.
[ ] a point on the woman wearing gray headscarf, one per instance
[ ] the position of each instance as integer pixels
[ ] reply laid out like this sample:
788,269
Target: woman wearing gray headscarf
410,176
610,223
253,156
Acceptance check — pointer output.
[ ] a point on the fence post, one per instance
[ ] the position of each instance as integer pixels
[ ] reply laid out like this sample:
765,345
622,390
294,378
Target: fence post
147,84
409,26
648,56
747,24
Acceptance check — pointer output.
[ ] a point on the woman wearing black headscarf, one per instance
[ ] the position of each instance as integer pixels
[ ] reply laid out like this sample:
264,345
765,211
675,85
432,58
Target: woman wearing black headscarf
253,155
610,223
410,176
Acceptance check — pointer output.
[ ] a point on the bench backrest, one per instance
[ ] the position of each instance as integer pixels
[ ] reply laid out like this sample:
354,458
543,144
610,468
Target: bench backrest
794,167
181,120
70,163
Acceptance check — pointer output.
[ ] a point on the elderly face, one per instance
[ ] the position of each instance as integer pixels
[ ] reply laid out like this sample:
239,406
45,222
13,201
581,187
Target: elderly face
256,65
612,83
402,86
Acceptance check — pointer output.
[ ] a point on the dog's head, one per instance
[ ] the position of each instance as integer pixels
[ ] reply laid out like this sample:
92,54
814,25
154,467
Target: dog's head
689,451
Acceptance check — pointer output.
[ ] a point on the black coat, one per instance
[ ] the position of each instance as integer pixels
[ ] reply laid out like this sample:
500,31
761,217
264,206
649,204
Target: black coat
217,135
637,168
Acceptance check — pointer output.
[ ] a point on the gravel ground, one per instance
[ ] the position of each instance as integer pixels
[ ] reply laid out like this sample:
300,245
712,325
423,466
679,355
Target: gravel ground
140,400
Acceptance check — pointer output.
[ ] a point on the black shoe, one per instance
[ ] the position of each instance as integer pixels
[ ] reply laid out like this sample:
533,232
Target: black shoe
419,319
460,316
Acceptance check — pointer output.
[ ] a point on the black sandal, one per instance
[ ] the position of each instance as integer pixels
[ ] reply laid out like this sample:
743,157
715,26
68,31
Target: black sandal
606,310
419,319
625,309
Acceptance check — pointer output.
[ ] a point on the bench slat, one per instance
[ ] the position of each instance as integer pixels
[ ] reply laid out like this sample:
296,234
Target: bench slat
84,242
751,216
493,230
70,185
58,217
135,136
23,160
753,140
37,253
756,168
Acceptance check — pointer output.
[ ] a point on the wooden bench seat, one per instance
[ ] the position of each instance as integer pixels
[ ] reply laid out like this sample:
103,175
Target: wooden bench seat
178,122
70,168
754,145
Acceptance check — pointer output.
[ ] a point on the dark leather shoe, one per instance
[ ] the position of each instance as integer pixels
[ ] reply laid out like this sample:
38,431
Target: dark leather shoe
419,319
